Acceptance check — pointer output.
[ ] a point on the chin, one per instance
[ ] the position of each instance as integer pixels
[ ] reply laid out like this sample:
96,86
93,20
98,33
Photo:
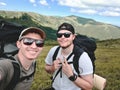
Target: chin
31,57
64,47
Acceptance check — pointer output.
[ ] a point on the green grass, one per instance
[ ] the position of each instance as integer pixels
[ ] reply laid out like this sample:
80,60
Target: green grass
107,65
41,79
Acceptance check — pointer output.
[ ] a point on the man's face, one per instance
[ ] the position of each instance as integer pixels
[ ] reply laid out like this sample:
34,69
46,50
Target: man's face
65,38
30,46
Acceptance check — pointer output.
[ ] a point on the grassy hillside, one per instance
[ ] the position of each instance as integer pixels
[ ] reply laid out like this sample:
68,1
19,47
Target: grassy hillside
107,65
26,21
89,27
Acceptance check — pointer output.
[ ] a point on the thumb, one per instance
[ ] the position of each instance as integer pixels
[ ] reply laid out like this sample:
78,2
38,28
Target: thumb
65,61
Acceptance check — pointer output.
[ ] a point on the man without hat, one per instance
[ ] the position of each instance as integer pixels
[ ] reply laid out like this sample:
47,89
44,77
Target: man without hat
67,78
30,45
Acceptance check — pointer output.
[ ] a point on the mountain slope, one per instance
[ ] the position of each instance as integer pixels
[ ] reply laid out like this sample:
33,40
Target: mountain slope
89,27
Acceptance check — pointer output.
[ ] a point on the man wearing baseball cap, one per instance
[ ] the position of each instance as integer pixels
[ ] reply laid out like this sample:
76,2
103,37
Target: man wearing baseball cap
30,45
67,78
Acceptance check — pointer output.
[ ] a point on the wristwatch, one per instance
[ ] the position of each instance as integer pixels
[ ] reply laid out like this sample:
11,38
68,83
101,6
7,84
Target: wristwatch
73,77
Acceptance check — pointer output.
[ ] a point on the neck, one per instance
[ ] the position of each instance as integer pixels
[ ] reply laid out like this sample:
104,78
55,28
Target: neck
25,63
67,50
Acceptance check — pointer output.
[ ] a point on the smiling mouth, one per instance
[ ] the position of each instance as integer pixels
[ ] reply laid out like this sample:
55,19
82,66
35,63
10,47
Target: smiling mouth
33,52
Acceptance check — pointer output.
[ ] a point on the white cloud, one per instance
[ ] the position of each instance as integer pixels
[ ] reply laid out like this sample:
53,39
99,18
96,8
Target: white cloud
2,4
35,2
102,2
86,11
32,1
72,3
110,13
115,9
100,7
43,2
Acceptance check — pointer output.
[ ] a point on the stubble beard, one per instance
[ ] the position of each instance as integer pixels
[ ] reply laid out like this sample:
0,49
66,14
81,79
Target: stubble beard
66,46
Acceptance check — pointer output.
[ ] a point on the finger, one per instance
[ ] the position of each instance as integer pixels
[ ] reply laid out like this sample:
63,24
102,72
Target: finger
62,61
65,61
58,58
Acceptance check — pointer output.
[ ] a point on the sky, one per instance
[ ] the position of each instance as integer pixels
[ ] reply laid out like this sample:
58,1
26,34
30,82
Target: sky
107,11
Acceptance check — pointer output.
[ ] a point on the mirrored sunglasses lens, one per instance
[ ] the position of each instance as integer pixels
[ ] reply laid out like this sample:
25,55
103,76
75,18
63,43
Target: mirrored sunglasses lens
39,44
27,41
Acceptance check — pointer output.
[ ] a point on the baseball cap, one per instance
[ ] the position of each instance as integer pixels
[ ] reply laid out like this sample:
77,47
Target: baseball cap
66,26
33,29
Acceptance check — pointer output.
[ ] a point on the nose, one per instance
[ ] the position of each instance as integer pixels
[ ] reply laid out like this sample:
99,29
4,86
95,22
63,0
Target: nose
63,36
33,45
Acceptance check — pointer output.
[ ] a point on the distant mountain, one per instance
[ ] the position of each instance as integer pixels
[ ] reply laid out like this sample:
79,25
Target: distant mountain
85,26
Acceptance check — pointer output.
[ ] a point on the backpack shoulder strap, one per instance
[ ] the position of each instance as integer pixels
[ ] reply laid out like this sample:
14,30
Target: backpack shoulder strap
55,53
1,48
54,57
77,53
15,77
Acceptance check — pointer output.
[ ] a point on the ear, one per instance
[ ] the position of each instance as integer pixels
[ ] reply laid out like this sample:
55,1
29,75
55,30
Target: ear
74,36
18,44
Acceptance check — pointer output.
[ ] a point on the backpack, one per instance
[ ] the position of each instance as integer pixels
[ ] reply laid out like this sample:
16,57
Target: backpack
81,44
9,34
86,44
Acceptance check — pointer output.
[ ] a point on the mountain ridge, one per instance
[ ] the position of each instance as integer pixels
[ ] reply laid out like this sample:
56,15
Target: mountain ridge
85,26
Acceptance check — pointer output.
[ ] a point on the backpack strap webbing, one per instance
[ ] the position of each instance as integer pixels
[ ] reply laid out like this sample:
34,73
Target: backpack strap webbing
15,77
54,58
55,53
1,48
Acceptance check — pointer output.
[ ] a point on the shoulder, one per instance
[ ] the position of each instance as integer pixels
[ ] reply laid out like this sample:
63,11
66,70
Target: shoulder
84,57
84,54
54,48
85,64
5,62
49,57
6,67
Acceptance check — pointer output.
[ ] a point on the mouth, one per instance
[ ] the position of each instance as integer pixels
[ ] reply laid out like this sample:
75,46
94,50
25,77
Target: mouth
32,51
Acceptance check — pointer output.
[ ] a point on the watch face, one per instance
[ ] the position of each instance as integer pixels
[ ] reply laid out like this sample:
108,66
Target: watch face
73,77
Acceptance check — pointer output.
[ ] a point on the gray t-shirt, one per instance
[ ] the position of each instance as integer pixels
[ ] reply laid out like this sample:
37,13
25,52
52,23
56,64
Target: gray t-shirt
6,73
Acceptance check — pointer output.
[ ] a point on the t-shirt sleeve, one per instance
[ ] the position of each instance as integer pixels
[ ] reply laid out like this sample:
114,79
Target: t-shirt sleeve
6,69
49,57
85,64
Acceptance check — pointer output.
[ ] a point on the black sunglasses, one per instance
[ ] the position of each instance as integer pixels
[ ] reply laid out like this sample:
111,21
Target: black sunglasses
66,35
29,41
